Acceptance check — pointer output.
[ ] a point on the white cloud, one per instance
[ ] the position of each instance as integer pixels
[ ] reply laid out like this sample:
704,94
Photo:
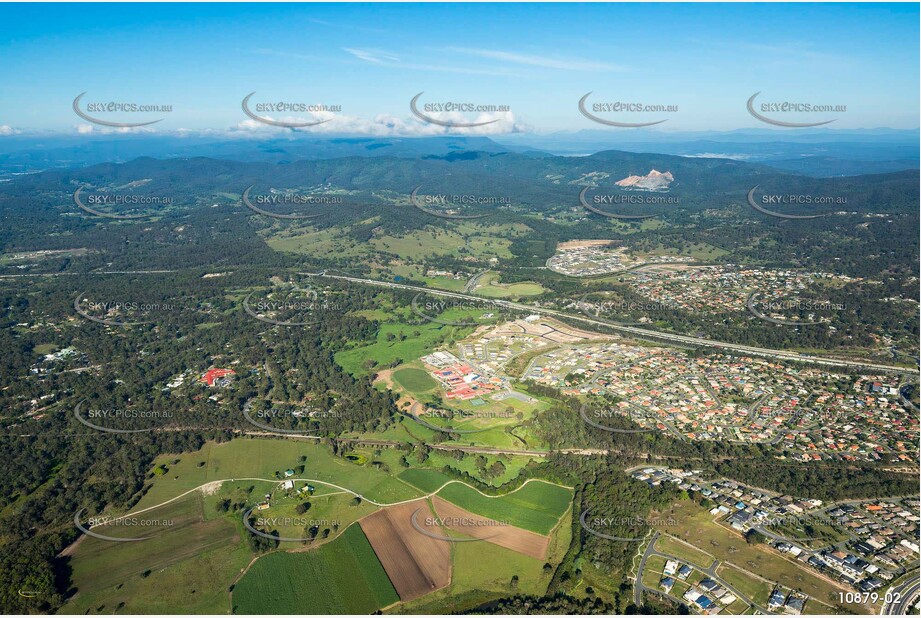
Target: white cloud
372,55
385,125
567,64
87,129
6,129
389,60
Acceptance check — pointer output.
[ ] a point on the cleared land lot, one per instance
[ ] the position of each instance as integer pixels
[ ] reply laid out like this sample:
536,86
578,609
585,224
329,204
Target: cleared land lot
518,540
340,577
415,563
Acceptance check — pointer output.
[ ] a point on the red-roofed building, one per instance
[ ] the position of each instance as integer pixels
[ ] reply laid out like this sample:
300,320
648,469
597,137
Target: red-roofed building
217,377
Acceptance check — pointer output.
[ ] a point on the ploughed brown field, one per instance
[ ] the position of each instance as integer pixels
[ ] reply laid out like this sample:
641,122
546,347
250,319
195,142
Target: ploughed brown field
517,539
416,564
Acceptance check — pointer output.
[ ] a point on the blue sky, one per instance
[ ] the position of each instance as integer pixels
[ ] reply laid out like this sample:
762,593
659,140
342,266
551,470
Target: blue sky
537,59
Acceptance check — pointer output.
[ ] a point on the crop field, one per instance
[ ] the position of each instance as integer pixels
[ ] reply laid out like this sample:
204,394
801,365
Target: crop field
340,577
177,568
415,563
483,572
262,458
536,506
492,531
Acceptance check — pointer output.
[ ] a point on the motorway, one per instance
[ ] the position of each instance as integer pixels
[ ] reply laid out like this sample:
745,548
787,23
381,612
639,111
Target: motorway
641,333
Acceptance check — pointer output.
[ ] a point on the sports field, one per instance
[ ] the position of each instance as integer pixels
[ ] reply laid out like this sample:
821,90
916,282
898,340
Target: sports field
414,380
340,577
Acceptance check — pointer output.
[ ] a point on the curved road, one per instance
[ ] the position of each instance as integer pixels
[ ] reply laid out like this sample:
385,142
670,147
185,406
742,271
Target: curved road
908,594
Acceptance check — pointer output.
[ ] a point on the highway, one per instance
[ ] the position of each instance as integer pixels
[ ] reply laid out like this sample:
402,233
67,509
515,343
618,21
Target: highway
903,597
641,333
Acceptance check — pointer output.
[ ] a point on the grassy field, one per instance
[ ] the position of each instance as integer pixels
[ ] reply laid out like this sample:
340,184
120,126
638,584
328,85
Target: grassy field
490,287
408,342
261,458
429,477
185,567
680,550
414,380
428,480
755,589
446,283
329,510
341,577
470,239
537,506
318,243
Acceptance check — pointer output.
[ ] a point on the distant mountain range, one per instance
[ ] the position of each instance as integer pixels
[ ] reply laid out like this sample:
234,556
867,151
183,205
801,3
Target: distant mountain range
812,153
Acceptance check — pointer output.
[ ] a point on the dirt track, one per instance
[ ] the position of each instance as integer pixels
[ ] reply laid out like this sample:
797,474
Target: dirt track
415,563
